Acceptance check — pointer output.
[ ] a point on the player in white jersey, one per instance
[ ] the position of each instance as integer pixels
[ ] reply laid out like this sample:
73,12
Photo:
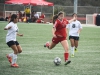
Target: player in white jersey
11,40
74,30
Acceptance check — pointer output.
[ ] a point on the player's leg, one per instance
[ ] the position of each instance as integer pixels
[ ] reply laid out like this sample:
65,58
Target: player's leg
50,45
18,47
72,46
64,43
14,58
10,56
76,43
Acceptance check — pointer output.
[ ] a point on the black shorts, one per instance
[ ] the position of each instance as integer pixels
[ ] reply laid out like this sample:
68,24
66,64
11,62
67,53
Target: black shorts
10,43
74,37
28,15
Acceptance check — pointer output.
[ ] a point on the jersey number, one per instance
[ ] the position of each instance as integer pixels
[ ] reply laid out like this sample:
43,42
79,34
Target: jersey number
73,26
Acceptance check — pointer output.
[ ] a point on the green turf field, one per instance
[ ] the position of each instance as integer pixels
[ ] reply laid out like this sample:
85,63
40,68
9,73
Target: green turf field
37,60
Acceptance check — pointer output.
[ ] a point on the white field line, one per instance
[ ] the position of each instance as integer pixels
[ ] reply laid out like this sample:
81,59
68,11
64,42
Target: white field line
90,25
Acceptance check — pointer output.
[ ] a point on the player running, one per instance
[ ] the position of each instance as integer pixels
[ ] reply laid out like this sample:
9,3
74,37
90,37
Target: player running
60,34
75,28
11,40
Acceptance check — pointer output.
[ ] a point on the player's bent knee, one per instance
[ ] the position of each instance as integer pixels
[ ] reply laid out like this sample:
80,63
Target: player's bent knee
15,51
19,51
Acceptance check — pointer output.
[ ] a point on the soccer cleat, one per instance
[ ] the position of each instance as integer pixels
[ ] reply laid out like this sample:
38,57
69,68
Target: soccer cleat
67,62
14,65
9,58
47,44
75,49
72,55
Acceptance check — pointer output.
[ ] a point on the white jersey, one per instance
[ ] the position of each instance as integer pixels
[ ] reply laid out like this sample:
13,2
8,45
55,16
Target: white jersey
12,32
36,15
74,27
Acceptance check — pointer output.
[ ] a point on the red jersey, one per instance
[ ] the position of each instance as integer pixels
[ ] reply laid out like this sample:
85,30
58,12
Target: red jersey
42,16
38,21
61,27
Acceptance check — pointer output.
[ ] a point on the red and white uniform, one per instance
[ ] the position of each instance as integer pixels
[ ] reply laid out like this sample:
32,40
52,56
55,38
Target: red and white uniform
60,30
42,16
39,20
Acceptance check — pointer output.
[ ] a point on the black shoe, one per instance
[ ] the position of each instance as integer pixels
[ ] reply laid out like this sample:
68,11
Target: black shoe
67,62
47,44
44,45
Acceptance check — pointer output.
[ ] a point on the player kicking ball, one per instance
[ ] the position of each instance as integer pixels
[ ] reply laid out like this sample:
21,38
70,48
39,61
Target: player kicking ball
11,40
60,34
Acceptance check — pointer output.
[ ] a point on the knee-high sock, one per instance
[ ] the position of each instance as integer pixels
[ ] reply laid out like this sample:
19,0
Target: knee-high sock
14,58
66,55
72,50
11,54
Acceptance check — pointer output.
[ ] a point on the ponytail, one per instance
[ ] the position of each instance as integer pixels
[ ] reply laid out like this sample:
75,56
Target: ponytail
56,16
13,16
61,12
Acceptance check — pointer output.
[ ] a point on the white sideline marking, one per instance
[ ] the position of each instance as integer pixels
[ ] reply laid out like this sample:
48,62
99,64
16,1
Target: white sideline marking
90,25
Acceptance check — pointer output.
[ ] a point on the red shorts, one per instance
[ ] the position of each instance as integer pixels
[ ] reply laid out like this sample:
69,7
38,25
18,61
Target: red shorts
58,39
38,21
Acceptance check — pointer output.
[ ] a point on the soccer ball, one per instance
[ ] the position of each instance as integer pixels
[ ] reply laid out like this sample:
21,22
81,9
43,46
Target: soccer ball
57,61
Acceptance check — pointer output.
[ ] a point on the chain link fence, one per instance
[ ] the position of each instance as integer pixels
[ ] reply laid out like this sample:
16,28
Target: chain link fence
81,10
48,10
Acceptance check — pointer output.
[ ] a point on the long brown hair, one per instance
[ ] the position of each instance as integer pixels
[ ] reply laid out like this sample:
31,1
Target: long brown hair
56,16
74,14
13,16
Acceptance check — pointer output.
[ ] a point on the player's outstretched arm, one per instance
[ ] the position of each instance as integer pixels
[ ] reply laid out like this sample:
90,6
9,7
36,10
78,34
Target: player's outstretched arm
79,30
53,32
7,28
19,34
72,20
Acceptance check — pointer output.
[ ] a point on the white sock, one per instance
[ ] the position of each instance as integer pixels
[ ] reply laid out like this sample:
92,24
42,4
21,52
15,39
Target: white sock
14,58
72,50
11,54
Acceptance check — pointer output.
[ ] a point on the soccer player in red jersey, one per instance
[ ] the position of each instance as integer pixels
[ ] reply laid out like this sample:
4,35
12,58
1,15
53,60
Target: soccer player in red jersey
60,34
40,19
